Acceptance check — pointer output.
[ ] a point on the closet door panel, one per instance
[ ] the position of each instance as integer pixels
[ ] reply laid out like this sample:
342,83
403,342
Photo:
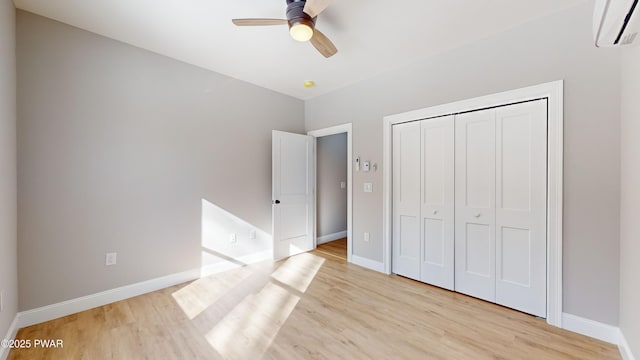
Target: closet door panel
521,206
475,195
437,202
406,200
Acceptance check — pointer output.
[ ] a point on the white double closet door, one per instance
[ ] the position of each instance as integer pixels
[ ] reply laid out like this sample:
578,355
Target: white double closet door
469,204
423,201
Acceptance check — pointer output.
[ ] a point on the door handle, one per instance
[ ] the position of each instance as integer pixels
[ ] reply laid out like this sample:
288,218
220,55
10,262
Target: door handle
276,202
477,215
435,212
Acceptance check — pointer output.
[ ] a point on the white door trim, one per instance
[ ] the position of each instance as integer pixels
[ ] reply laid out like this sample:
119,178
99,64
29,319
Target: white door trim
553,92
339,129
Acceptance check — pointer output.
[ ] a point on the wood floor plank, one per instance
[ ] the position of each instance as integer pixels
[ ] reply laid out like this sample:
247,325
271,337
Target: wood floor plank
336,248
311,306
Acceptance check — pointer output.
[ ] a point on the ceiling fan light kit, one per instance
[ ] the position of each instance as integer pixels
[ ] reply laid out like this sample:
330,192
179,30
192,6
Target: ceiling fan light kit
301,32
300,23
301,18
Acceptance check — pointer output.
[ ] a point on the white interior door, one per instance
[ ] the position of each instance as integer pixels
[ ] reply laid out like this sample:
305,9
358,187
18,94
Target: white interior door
293,187
437,204
475,188
500,239
406,200
521,146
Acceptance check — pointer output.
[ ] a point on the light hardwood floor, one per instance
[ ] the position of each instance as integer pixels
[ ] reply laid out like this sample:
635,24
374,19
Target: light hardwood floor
313,305
337,248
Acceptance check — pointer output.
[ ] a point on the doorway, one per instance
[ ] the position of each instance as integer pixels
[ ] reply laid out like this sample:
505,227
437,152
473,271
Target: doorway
333,191
331,195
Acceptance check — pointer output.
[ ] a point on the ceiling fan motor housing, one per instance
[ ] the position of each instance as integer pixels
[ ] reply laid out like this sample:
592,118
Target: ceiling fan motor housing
296,14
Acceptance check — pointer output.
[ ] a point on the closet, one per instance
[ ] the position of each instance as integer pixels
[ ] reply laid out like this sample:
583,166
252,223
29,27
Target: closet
469,203
423,206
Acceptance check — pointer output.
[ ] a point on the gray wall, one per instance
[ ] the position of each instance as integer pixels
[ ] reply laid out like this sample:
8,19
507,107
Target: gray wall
331,170
8,219
117,149
550,48
630,204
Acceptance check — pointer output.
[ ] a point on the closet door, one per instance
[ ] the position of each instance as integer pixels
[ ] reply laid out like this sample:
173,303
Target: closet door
521,206
475,185
437,202
406,200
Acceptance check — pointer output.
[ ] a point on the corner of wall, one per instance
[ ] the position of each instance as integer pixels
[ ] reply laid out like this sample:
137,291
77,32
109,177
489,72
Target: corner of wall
8,174
629,203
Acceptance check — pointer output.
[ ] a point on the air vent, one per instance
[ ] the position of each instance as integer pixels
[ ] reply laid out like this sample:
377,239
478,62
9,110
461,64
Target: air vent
628,39
616,22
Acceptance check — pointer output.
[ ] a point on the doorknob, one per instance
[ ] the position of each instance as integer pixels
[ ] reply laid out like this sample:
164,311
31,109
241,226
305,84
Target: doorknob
277,202
477,215
435,212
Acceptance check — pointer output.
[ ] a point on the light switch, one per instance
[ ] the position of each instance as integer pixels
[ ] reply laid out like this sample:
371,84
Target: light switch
366,237
343,185
368,187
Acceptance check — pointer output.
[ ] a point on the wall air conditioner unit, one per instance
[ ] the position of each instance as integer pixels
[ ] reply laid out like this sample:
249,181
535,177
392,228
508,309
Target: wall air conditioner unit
616,23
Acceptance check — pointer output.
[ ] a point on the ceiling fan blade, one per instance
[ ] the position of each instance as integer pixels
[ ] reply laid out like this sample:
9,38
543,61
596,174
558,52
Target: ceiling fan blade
315,7
259,22
323,44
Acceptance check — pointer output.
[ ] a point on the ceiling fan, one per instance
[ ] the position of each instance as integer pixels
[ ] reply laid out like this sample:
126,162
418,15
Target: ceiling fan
301,18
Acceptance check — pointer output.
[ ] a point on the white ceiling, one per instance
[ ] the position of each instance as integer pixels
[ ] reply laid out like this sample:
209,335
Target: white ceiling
372,36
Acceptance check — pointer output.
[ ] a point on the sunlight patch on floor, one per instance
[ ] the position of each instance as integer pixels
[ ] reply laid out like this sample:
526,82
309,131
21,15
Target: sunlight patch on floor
198,296
299,271
250,328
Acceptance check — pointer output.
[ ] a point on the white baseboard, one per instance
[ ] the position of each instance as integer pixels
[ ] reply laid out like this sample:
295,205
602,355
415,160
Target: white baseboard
54,311
366,263
11,334
594,329
227,265
605,332
624,348
331,237
598,330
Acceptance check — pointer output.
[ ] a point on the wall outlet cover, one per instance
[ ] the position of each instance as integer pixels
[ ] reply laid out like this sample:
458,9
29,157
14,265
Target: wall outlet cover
111,259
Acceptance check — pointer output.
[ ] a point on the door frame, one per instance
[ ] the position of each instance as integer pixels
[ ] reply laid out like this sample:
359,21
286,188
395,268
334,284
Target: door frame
553,92
334,130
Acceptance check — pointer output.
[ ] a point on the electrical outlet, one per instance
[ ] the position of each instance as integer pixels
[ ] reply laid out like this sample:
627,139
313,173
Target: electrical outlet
368,187
233,238
111,259
2,300
366,237
252,234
